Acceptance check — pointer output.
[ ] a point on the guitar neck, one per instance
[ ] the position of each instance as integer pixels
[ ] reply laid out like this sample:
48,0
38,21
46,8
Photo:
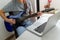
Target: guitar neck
34,15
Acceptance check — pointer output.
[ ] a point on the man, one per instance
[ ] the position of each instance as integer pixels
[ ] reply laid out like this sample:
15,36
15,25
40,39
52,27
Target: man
17,6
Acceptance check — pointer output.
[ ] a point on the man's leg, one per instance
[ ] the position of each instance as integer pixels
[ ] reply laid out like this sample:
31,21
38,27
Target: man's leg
27,23
20,30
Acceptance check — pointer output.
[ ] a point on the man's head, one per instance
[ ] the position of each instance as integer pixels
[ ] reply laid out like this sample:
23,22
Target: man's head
20,1
17,1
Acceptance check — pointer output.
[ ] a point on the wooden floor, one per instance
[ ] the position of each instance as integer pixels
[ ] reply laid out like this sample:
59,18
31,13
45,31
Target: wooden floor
12,37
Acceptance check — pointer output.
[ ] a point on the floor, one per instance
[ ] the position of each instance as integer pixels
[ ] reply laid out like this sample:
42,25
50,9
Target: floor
11,38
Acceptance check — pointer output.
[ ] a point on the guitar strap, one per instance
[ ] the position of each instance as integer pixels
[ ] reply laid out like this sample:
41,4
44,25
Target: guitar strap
25,4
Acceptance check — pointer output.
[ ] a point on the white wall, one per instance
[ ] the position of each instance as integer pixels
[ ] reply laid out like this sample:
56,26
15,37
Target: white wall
54,34
56,4
3,3
42,3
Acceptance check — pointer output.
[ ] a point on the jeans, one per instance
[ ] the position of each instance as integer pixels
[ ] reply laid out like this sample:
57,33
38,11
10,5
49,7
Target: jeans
21,29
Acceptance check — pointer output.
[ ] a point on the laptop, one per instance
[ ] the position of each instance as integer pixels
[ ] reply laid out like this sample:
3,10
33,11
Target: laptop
41,28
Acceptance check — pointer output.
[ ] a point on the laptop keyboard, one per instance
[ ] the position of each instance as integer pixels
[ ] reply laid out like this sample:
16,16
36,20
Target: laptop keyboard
40,28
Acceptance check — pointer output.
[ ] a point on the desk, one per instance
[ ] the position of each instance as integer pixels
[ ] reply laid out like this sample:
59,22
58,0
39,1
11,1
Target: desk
28,36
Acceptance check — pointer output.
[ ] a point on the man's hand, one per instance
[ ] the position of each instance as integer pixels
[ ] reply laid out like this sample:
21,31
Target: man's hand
11,21
39,14
2,14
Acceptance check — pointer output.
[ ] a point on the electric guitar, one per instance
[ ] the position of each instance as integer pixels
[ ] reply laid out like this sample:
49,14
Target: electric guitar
21,19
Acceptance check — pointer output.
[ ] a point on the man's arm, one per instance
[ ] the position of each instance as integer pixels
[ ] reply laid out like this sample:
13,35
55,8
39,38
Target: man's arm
2,14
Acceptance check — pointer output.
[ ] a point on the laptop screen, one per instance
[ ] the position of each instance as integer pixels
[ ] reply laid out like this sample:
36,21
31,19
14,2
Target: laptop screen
51,22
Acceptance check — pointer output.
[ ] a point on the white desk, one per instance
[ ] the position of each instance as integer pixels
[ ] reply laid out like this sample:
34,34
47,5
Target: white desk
28,35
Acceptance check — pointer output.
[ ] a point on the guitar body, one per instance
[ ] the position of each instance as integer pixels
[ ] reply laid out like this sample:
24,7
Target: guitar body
8,26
